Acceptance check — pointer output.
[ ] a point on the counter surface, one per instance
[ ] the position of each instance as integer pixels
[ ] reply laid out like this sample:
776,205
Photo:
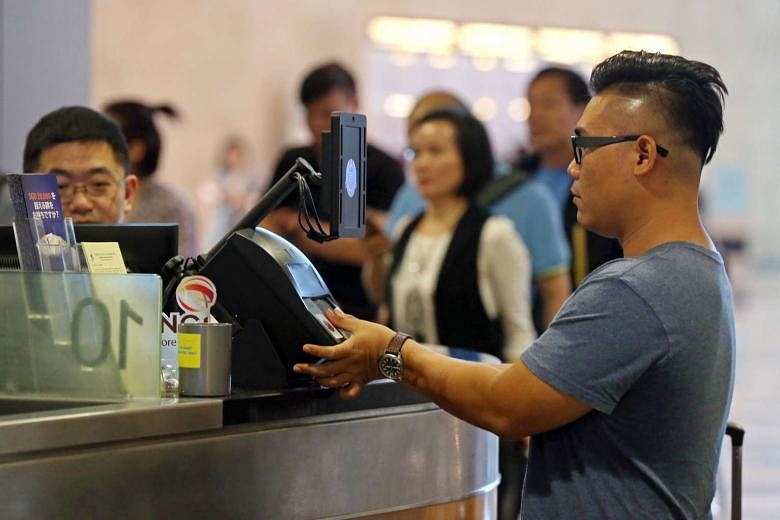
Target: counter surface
294,454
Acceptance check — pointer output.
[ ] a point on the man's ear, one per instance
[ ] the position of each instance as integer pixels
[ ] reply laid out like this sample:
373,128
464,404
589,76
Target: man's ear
646,155
131,185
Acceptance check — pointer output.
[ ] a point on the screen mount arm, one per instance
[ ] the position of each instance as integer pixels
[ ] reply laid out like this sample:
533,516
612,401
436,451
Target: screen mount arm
272,198
178,267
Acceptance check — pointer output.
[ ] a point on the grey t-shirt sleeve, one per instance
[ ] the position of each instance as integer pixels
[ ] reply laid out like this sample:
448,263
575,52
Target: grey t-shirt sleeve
603,340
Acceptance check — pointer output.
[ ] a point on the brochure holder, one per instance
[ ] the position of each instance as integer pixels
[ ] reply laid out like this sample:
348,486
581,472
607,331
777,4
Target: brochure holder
40,251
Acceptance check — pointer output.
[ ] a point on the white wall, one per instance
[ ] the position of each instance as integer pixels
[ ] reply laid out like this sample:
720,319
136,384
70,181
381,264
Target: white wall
235,65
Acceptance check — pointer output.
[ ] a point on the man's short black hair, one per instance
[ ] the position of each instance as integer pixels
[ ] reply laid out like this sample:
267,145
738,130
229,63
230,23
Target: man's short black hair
689,93
325,78
473,144
576,86
69,124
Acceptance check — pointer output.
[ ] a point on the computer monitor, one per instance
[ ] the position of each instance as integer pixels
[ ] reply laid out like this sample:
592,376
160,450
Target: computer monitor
146,247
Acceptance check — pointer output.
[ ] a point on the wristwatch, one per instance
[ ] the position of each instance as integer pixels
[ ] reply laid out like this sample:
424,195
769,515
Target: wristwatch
391,365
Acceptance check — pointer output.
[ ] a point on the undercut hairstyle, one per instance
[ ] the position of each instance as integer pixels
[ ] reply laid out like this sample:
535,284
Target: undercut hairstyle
576,86
324,79
473,145
71,124
136,120
689,94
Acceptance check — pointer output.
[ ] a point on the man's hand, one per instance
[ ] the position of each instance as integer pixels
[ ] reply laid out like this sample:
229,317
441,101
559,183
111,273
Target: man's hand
509,400
352,364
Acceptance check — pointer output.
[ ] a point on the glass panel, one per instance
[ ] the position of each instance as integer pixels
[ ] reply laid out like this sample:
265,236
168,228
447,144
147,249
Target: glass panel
80,335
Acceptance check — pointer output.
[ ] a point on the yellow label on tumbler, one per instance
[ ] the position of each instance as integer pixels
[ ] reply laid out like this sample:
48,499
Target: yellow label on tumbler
189,350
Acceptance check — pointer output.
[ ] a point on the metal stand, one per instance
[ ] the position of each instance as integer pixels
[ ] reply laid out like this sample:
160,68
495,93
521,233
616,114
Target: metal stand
178,267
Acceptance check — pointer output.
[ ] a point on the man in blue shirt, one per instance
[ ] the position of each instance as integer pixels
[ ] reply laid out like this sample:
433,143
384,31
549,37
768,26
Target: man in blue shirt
557,97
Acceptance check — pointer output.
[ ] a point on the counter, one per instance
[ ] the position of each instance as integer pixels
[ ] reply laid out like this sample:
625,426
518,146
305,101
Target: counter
84,435
294,454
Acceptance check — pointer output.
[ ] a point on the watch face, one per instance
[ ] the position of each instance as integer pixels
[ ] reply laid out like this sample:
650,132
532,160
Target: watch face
391,367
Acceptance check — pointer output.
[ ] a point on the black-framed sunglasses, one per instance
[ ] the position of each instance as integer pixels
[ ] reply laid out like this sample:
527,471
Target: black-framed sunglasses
579,143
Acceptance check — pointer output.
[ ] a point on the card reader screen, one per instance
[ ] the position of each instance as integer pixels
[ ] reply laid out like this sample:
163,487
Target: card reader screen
306,280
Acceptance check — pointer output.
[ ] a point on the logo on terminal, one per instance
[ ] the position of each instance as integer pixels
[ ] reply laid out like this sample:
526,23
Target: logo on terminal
350,181
196,294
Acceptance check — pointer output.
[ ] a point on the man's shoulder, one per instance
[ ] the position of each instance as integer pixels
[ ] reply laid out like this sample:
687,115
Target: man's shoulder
374,151
529,203
384,177
671,268
379,158
531,191
289,155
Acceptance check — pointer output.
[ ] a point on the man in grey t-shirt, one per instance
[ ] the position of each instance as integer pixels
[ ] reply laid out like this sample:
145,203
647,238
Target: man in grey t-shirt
647,343
626,395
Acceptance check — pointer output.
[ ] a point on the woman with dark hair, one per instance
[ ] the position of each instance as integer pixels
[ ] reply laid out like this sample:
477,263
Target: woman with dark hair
459,276
154,201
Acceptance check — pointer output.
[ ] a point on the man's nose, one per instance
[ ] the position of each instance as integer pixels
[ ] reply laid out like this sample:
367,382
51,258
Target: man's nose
80,202
573,169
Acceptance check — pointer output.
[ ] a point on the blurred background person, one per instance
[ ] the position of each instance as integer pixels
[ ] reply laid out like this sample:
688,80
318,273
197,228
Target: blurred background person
537,219
331,88
557,97
233,191
458,276
155,201
515,195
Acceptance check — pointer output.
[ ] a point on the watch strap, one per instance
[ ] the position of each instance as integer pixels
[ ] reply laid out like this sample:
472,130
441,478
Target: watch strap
394,347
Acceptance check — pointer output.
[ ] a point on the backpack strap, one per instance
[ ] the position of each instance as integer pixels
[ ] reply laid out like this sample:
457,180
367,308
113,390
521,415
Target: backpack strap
501,186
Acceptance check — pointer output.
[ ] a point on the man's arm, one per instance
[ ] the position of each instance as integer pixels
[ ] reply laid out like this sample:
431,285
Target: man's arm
348,251
554,289
508,400
280,221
